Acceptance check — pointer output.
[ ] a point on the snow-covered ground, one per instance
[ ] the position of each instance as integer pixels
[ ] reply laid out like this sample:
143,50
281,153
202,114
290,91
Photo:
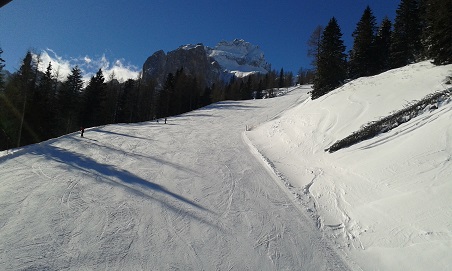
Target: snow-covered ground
201,193
387,202
188,195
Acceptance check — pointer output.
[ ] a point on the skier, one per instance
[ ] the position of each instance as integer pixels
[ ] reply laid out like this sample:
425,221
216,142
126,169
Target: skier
82,130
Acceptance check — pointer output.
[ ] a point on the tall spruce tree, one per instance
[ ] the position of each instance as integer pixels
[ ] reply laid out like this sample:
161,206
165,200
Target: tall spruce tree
281,78
439,31
383,45
26,84
362,56
332,63
93,99
2,65
406,46
69,101
44,103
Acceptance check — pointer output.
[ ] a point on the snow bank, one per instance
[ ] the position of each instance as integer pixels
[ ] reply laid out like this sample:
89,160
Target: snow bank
385,201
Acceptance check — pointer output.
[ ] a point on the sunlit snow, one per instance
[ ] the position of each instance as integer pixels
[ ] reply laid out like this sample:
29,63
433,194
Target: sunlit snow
241,185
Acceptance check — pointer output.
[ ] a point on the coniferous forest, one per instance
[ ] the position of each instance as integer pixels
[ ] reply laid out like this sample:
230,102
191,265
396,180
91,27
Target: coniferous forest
422,30
35,105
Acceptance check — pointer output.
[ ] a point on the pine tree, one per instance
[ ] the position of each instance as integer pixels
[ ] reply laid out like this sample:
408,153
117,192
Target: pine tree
362,56
439,31
45,113
69,102
26,83
332,64
2,65
165,96
406,44
281,78
383,45
93,100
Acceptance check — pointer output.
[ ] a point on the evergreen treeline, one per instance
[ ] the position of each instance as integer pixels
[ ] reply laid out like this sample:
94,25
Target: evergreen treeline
422,30
35,106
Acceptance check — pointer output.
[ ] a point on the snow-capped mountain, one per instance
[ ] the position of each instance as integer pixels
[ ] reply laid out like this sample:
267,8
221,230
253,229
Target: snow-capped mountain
238,58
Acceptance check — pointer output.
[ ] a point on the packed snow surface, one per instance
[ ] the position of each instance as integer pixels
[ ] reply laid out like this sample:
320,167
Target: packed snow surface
187,195
387,202
241,186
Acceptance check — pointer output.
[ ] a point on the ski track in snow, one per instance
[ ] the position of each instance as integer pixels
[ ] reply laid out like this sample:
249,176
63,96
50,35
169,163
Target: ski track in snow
385,202
191,195
188,195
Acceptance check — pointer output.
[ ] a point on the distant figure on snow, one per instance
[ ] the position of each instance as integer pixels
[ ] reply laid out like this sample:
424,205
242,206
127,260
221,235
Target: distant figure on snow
82,130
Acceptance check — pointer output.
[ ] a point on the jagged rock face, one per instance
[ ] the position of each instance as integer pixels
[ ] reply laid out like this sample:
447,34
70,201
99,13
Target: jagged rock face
239,58
193,59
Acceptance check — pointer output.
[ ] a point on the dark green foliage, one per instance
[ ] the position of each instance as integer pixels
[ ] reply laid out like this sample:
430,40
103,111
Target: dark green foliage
281,78
2,65
93,100
25,82
382,46
438,31
68,105
363,55
332,64
406,46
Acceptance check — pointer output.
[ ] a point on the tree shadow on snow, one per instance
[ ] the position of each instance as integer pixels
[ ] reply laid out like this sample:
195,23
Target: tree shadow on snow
119,177
98,130
234,105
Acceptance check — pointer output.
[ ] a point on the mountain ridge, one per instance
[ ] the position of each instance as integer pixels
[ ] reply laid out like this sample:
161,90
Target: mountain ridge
227,59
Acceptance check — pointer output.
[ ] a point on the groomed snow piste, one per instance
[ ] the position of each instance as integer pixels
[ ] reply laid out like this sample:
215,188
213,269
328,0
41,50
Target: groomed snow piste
241,186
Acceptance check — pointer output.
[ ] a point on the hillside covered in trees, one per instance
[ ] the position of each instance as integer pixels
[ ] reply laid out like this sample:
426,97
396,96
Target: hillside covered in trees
421,30
35,106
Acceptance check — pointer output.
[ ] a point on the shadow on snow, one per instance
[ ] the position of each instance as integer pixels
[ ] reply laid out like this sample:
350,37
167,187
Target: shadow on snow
119,177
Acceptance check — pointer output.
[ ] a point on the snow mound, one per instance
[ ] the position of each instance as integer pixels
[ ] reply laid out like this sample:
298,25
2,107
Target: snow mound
385,201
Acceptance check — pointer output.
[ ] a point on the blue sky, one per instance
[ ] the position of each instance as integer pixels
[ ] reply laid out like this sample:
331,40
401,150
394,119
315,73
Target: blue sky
126,32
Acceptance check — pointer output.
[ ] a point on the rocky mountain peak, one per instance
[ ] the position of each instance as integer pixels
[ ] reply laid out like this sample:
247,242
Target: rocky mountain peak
227,58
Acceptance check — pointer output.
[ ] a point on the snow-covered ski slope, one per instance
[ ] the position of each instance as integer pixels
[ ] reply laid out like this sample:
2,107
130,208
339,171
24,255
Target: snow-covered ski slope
387,202
188,195
201,193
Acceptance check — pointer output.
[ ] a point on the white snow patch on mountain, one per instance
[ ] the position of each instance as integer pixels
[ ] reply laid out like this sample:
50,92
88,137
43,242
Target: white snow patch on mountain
239,57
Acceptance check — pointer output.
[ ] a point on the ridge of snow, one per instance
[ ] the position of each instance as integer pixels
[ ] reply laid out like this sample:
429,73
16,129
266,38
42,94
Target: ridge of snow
191,46
385,201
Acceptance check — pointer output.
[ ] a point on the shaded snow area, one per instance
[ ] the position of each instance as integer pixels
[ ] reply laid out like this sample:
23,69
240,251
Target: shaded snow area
242,185
188,195
386,203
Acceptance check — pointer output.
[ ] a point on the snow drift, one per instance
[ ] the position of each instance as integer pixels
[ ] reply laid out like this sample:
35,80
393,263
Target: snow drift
385,201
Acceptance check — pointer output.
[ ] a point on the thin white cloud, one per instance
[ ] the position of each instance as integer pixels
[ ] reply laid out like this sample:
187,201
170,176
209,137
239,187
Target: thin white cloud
88,65
87,59
60,67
